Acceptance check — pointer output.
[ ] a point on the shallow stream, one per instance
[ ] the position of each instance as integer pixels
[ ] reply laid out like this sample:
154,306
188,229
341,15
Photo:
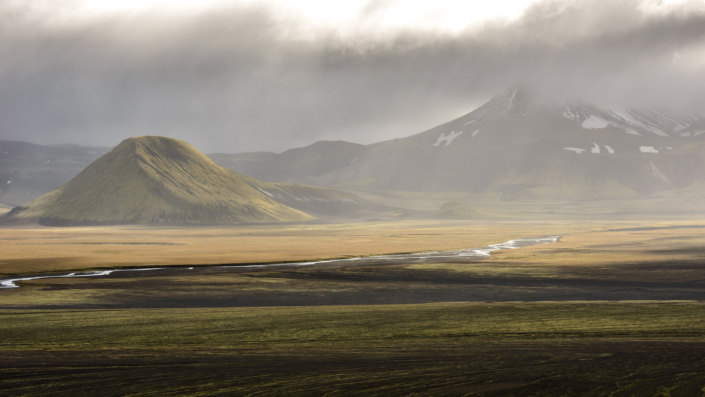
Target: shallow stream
464,255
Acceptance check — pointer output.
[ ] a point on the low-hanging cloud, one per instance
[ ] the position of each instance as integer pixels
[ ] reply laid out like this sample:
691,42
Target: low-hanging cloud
240,78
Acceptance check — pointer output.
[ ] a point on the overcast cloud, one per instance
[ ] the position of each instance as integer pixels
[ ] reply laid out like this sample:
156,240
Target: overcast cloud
246,78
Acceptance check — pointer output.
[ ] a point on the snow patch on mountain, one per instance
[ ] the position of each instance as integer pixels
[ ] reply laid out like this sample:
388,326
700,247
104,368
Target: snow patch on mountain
647,149
609,149
447,139
575,149
679,127
593,122
595,149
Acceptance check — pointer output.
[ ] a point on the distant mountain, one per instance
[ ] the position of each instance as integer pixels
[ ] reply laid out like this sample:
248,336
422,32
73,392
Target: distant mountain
27,170
166,181
246,163
519,147
301,165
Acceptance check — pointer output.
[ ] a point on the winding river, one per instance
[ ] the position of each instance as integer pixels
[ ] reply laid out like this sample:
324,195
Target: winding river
463,255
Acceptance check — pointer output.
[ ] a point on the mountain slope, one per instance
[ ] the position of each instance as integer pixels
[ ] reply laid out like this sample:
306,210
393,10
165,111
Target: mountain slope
156,180
298,165
318,201
519,146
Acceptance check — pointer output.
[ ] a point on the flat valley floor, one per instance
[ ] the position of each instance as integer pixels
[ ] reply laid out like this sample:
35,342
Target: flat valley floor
611,309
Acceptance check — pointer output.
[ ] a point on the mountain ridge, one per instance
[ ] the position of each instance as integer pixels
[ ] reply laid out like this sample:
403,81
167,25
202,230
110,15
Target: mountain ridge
519,146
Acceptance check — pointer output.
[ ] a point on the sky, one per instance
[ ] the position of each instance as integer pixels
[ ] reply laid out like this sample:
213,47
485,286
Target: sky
240,76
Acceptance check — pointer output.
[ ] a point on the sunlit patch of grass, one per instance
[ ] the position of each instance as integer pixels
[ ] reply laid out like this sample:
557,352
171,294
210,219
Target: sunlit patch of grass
237,327
37,250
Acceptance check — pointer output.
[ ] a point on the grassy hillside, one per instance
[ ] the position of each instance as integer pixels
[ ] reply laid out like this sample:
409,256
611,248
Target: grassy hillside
320,201
156,180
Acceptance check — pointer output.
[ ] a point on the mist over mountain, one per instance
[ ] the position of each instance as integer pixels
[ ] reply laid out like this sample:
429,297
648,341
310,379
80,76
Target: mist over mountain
518,146
605,99
254,76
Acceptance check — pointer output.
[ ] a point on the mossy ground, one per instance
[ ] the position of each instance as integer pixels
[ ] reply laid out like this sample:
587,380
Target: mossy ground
441,349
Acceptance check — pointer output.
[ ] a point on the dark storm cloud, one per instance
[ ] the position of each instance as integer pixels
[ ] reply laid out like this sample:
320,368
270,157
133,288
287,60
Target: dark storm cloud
237,79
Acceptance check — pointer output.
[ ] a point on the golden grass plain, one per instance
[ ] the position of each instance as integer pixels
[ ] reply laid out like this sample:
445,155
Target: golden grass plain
598,243
613,246
46,249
